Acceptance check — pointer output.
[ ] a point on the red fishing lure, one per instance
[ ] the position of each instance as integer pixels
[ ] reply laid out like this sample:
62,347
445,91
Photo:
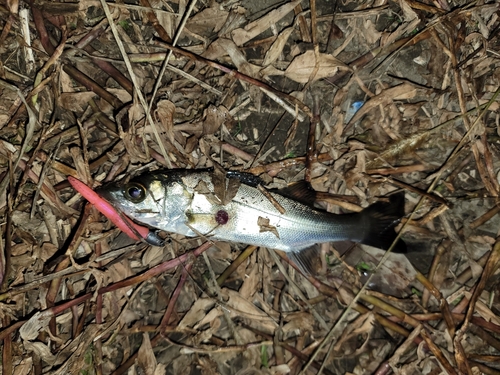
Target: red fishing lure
126,225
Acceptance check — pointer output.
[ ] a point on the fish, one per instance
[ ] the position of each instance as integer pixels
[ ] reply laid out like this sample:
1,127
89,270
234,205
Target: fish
235,207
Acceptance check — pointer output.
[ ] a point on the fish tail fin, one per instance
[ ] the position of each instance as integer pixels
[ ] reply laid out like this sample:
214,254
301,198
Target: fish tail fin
380,219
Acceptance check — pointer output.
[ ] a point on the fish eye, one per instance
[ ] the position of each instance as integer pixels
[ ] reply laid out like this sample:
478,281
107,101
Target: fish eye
134,192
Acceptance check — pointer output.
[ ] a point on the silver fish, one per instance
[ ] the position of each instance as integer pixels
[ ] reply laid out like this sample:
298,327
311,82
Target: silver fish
234,207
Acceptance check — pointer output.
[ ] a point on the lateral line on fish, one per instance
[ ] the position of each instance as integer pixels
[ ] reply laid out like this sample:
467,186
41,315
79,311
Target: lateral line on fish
290,219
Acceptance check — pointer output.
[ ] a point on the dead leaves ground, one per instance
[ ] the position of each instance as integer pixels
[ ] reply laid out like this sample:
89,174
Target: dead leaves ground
359,99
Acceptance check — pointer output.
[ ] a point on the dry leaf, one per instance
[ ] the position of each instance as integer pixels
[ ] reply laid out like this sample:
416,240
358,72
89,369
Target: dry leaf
119,271
76,350
214,118
76,101
220,250
165,114
272,40
251,30
393,278
399,92
21,249
409,13
197,312
242,307
145,357
302,67
485,312
31,329
24,367
225,189
277,47
161,369
370,32
208,21
264,225
251,282
121,94
367,325
238,58
298,323
66,82
152,256
270,70
362,324
211,318
41,350
47,250
135,114
280,369
207,366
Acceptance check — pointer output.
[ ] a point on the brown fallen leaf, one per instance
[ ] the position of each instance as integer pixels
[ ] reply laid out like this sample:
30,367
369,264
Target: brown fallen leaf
146,358
303,65
208,21
264,225
276,49
76,101
399,92
225,189
165,114
251,30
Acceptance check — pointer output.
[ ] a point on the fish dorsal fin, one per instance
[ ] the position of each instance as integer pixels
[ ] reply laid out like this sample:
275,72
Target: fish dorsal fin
245,178
306,259
300,191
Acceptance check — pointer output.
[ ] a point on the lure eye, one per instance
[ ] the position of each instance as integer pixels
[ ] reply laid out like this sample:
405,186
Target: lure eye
135,192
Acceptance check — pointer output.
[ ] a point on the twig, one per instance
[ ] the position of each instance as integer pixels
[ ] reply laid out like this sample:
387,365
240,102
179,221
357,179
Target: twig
74,73
185,18
186,349
165,266
278,166
271,199
438,353
235,264
423,193
443,305
175,296
5,271
312,153
432,272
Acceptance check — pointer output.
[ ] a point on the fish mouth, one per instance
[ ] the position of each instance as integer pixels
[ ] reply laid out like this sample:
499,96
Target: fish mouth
151,238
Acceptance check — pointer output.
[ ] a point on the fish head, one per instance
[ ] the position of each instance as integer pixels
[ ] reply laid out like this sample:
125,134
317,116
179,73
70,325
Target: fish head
152,198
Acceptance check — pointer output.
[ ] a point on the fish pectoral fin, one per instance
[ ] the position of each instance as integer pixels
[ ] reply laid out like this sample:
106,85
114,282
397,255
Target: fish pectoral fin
306,259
